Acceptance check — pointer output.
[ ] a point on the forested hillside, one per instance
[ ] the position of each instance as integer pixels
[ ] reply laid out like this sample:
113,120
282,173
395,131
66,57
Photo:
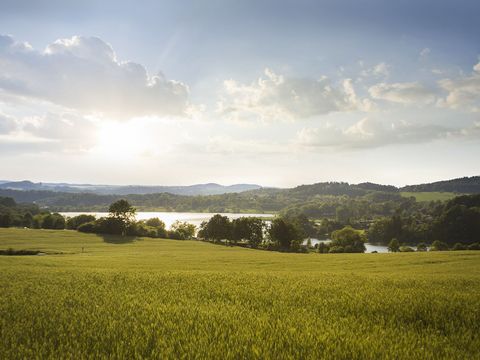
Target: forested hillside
465,185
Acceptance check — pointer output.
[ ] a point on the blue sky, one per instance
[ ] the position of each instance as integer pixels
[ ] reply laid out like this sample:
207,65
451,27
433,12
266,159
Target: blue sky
272,92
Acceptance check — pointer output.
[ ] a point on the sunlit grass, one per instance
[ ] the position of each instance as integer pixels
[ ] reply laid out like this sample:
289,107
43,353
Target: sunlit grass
151,298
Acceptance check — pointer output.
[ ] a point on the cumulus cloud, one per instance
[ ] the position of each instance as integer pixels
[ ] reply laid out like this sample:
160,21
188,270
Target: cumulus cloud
462,92
369,133
83,73
403,93
276,97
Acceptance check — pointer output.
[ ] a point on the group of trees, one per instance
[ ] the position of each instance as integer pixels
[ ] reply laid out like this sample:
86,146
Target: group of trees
456,221
121,221
220,228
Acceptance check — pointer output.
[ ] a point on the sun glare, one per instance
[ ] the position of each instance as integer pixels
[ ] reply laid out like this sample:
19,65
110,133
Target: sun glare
122,139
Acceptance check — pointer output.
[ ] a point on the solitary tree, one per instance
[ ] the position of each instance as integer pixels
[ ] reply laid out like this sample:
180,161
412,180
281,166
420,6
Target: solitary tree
123,212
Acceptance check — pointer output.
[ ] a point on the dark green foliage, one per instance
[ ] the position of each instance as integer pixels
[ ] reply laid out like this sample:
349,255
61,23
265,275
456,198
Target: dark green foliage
466,185
438,245
422,247
13,214
74,222
394,245
249,229
286,234
406,249
122,215
13,252
217,228
159,225
474,246
458,247
50,221
349,240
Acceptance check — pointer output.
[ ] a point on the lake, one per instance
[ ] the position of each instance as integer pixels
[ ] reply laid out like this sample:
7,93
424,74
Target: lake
170,217
370,247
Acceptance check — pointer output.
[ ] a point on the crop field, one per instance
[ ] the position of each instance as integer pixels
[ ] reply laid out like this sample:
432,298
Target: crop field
430,196
166,299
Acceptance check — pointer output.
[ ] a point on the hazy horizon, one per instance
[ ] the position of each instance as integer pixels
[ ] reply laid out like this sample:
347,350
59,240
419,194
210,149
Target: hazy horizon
274,93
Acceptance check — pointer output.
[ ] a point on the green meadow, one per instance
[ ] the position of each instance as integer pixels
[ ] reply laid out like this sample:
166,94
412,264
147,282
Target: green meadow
137,298
430,195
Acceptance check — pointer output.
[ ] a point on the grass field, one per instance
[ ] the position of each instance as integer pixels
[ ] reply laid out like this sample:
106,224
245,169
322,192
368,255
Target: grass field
167,299
430,196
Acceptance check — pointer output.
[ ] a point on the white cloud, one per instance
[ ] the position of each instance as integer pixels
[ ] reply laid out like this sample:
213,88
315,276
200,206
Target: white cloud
48,133
7,124
83,73
69,131
403,93
463,92
380,70
368,133
424,53
276,97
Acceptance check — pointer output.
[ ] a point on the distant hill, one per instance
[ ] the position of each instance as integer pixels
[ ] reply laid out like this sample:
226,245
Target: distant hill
191,190
465,185
234,198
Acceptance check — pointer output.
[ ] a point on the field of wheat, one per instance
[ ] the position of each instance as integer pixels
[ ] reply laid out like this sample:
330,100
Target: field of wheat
109,297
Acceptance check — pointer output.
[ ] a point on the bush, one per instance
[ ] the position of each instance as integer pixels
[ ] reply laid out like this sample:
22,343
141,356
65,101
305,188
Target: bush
351,240
438,245
89,227
458,247
336,250
74,222
406,249
422,247
474,246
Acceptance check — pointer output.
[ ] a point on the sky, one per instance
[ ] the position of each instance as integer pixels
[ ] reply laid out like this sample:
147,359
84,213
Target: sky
276,93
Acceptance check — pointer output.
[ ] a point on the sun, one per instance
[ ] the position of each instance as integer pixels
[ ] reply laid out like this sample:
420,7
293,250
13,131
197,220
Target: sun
122,140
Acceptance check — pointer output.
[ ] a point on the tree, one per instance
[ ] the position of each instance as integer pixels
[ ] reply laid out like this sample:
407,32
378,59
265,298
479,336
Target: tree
217,228
349,239
248,228
123,212
287,235
394,245
159,225
182,230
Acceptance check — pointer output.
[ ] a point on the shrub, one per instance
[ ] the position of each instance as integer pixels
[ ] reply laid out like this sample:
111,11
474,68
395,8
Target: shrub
438,245
406,249
336,249
422,247
74,222
351,240
458,247
474,246
89,227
